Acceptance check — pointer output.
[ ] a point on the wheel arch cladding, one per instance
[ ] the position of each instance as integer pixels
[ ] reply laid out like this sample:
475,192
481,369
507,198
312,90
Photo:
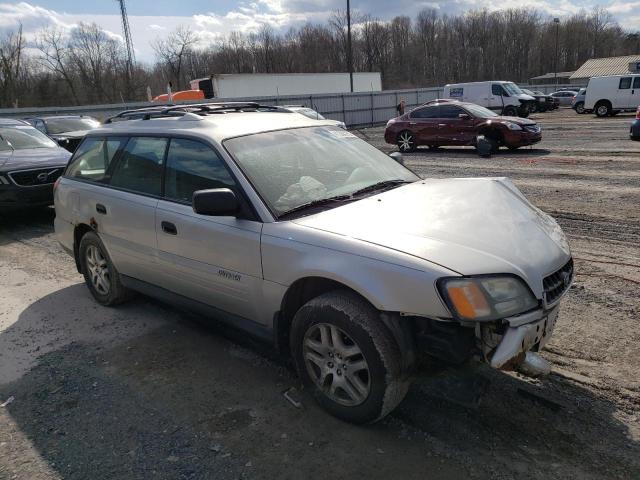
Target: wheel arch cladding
79,231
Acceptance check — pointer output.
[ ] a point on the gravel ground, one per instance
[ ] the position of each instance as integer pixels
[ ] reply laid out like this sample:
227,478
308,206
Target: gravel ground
145,391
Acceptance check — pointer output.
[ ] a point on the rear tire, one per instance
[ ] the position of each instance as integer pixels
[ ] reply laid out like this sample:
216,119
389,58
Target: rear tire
347,358
603,109
406,141
100,275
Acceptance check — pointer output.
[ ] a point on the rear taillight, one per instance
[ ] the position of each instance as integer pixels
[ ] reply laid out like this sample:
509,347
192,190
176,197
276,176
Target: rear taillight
55,184
638,113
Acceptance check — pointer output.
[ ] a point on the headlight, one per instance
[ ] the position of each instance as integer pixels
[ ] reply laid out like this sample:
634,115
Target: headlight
487,297
3,180
512,126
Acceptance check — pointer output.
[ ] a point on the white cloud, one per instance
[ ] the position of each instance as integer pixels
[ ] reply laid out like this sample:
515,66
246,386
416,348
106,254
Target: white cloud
250,15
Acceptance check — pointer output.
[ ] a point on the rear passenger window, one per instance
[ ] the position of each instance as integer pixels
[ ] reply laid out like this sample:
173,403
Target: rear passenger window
140,165
625,83
193,166
636,82
427,112
92,159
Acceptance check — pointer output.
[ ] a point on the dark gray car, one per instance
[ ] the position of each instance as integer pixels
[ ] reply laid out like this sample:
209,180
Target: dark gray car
30,163
578,102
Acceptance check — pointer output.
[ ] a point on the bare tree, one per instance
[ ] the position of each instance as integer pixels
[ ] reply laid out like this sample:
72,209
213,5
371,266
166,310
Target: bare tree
173,50
11,51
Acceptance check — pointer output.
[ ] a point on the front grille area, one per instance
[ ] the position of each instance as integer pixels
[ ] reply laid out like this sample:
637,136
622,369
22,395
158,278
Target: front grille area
34,178
557,283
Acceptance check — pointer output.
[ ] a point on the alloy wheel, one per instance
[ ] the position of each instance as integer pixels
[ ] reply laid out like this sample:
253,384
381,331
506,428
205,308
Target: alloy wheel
98,270
336,364
405,141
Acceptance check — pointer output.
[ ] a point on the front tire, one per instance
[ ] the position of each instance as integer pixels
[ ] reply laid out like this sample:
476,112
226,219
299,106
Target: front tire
406,141
100,275
347,358
579,108
510,111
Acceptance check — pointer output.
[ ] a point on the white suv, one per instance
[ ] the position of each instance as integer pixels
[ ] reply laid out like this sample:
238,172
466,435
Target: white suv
306,235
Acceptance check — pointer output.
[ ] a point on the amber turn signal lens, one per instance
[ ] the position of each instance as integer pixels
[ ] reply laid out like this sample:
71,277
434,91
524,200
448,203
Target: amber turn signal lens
468,300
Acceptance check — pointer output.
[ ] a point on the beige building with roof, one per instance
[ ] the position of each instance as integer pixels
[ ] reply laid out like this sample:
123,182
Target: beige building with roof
598,67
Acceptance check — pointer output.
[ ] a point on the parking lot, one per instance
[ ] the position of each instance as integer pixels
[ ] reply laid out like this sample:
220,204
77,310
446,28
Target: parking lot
145,391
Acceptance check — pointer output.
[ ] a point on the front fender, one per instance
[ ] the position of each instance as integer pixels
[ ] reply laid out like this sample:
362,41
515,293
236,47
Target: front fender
391,281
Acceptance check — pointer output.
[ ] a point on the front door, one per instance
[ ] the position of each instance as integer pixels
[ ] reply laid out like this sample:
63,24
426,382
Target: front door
214,260
454,130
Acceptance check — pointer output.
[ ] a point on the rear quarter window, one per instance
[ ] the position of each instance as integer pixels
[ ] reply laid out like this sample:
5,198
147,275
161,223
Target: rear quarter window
93,158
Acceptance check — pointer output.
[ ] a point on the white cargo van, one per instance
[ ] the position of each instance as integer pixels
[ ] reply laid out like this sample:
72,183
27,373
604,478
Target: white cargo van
612,94
505,97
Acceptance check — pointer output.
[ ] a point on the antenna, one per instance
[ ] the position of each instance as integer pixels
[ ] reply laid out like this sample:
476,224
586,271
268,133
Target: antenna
127,37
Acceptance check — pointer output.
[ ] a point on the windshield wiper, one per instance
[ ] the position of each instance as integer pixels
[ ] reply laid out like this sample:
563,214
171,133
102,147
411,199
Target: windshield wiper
316,203
380,186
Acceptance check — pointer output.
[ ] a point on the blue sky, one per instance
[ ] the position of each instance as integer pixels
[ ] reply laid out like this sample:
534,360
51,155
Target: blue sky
150,19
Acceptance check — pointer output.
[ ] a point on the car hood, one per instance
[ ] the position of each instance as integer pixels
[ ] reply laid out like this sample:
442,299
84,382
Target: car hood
516,120
470,226
33,158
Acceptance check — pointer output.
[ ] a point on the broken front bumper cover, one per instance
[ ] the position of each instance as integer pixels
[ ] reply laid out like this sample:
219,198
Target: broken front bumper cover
520,335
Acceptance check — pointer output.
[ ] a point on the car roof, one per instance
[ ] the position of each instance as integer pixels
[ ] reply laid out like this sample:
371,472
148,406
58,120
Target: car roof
6,122
216,126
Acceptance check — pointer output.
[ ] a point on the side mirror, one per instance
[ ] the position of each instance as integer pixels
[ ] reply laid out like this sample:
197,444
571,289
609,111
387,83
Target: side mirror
397,156
464,116
216,202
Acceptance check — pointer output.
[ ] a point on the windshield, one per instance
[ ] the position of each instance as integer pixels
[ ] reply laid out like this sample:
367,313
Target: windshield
21,137
290,168
512,88
480,112
62,125
308,112
528,92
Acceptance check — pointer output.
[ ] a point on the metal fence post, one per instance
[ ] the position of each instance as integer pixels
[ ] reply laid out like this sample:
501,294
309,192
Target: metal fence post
344,113
372,109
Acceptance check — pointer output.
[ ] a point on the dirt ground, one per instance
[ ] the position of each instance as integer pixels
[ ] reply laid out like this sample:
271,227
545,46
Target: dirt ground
145,391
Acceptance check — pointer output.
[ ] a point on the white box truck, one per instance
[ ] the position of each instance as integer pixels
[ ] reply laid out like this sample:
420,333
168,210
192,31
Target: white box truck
611,94
504,97
251,85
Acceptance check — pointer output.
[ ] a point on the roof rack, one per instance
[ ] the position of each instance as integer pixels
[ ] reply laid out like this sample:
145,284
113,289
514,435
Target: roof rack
159,111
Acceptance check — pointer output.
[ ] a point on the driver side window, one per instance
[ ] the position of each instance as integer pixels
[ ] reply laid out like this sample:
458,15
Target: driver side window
497,89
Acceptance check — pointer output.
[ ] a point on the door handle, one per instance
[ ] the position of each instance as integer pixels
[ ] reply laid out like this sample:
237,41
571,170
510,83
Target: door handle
168,227
412,123
101,209
442,124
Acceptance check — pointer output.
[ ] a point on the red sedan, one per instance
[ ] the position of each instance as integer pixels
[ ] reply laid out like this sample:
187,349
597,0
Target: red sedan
448,122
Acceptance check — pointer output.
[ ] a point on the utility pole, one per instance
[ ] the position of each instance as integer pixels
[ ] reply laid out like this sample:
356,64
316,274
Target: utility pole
555,68
349,51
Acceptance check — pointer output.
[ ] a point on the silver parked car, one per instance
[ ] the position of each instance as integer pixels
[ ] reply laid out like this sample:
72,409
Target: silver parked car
304,234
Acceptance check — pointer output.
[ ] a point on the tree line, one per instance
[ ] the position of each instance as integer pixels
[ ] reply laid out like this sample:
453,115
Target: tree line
88,66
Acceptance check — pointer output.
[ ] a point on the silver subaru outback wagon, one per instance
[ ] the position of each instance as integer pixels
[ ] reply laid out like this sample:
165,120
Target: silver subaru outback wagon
302,233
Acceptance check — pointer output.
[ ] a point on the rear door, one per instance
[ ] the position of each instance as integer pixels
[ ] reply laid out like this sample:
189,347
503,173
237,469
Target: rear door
119,190
214,260
424,124
623,96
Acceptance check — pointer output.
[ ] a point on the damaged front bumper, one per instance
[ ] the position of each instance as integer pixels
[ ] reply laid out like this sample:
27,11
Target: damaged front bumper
503,346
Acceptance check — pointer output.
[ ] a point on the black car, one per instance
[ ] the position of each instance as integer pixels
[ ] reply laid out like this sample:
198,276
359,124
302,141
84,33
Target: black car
30,163
634,131
543,102
67,130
